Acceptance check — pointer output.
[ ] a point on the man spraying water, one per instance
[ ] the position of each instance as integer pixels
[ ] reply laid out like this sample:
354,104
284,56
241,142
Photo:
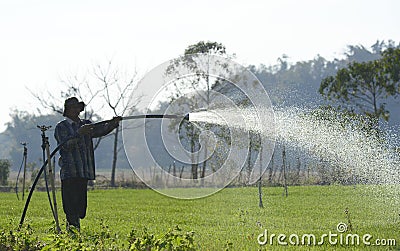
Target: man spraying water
77,157
74,138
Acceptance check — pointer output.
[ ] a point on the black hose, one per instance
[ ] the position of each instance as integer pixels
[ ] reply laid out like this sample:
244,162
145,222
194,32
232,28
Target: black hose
16,183
36,181
47,184
157,116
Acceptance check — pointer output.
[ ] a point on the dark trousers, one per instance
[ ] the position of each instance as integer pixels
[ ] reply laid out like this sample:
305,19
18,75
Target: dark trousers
74,199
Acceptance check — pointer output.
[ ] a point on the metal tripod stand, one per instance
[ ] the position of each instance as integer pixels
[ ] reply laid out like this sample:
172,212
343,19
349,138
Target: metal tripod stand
46,152
23,164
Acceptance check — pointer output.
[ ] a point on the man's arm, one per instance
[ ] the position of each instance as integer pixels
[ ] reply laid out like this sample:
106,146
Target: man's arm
100,129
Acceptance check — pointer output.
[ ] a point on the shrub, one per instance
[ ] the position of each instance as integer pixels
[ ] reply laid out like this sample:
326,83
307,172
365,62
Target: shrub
4,171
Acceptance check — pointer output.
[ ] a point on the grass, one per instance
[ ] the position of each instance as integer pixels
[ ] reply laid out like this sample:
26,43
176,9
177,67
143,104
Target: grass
229,219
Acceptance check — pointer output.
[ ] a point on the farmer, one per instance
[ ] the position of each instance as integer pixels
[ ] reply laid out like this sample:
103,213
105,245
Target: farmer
77,158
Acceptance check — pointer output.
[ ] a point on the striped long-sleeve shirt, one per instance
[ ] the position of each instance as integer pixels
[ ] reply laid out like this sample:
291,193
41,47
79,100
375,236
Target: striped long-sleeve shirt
77,155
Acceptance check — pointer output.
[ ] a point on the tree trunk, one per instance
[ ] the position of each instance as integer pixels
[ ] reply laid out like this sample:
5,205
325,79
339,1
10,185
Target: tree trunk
249,158
181,172
271,169
298,170
260,202
114,163
284,171
203,169
192,148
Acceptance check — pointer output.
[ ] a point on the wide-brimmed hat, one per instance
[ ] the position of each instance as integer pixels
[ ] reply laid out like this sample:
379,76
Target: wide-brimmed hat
73,102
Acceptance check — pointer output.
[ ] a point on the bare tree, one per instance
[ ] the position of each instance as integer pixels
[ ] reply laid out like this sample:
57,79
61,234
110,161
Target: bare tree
76,86
101,87
117,87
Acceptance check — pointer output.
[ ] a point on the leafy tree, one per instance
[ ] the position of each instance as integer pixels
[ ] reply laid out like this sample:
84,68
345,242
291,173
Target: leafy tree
359,87
391,67
200,86
4,171
365,86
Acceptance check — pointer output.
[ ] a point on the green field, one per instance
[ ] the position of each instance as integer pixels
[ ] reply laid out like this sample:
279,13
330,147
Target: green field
229,219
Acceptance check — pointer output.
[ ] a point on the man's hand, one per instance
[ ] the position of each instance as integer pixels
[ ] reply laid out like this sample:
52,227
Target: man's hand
115,121
85,129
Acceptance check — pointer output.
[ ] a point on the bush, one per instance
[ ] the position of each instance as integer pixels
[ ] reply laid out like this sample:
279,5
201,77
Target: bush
101,239
4,171
174,239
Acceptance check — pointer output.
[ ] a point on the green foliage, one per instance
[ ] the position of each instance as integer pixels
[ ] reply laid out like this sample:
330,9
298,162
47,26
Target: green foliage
359,86
25,239
4,171
391,65
19,239
206,47
365,86
174,239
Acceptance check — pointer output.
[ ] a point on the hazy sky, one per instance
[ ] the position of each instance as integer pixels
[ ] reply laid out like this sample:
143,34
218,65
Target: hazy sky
43,40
